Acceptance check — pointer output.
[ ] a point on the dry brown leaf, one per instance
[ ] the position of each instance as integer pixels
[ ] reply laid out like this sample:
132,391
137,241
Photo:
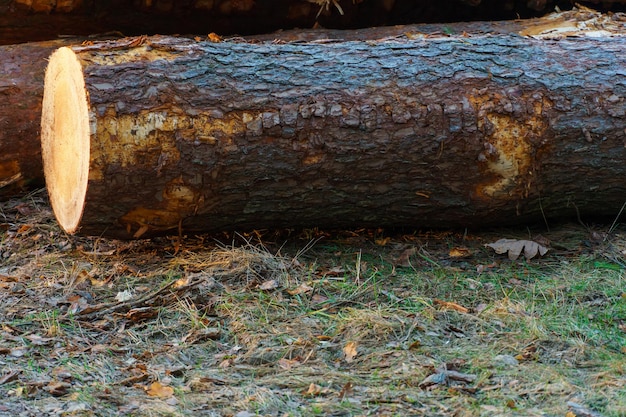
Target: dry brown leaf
313,390
58,388
450,306
302,288
382,241
318,299
288,363
271,284
335,271
404,258
515,247
8,278
38,340
460,376
460,252
345,391
157,389
24,228
350,351
226,363
9,377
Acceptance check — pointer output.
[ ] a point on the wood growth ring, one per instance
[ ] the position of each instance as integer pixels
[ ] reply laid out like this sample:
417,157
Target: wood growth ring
65,137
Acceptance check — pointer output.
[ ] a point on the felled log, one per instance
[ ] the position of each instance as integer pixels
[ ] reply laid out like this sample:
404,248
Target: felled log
22,67
22,70
153,134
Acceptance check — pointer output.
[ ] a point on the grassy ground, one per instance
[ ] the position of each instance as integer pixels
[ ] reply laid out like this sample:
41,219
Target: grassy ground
313,323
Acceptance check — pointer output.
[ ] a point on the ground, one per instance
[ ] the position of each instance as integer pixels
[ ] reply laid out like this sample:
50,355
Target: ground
306,323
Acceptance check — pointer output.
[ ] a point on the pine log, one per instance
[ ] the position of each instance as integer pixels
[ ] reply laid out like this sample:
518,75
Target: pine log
148,135
22,69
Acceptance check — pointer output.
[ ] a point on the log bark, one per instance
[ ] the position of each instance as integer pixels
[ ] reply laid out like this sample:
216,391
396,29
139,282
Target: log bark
147,135
22,70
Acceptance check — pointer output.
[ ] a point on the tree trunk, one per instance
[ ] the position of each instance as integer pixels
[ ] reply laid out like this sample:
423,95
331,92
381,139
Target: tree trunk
147,135
21,88
22,67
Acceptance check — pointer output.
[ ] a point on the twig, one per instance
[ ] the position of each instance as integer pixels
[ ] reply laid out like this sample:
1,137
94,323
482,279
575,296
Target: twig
582,411
615,221
10,180
145,301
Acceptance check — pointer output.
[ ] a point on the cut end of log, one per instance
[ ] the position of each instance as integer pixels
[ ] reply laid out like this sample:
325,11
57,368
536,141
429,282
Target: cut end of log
65,137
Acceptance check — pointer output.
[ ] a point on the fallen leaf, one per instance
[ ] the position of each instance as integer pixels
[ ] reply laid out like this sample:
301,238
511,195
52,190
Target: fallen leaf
288,363
542,240
404,258
38,340
8,278
24,228
382,241
450,306
515,247
302,288
61,373
271,284
460,252
438,378
350,351
578,410
345,391
124,296
460,376
18,352
226,363
335,271
157,389
58,388
24,209
313,390
318,299
442,377
10,377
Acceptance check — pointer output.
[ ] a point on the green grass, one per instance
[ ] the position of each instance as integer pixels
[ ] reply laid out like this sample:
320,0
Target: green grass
226,345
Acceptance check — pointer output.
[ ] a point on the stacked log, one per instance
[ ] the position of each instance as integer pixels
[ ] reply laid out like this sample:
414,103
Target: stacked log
155,134
22,70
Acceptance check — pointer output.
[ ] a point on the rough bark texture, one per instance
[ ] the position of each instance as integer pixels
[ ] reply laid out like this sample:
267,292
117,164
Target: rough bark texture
21,88
22,67
410,131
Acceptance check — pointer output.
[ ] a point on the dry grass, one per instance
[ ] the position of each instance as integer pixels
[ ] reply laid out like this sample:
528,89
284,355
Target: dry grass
348,323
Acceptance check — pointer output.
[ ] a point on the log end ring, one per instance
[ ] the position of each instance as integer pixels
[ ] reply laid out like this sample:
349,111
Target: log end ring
65,137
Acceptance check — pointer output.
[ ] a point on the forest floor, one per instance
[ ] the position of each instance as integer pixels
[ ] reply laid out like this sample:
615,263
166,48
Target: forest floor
307,323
